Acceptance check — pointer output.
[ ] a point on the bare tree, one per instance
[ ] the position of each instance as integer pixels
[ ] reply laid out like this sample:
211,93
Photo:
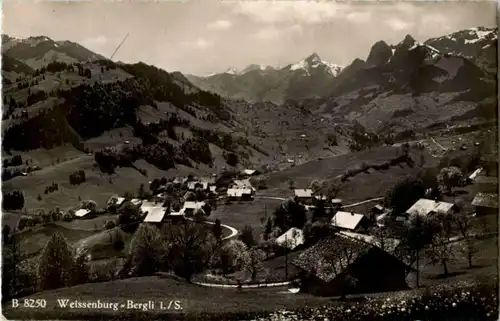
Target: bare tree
464,226
253,262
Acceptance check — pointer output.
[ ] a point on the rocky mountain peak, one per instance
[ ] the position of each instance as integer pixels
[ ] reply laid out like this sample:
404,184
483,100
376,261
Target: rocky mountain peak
380,53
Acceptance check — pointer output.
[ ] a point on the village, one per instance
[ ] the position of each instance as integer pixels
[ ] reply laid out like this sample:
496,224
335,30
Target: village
327,248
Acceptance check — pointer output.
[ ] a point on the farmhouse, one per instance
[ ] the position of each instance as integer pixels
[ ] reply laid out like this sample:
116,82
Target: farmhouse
426,207
197,184
82,212
155,214
136,201
240,193
485,204
349,221
387,244
327,264
242,184
190,208
291,239
303,194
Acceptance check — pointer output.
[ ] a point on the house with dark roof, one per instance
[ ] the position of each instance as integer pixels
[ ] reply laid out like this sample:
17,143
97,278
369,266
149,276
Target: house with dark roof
485,204
329,265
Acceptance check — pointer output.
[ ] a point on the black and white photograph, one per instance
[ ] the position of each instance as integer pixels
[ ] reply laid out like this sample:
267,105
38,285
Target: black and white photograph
249,160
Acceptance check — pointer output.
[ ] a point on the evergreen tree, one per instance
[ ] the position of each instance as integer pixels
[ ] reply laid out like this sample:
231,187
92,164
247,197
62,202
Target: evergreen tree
56,263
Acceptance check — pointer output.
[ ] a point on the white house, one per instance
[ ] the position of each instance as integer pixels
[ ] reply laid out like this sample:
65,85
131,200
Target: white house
81,212
348,220
155,214
303,193
291,238
427,207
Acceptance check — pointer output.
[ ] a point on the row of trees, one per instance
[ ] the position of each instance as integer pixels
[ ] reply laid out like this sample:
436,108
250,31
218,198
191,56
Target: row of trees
13,200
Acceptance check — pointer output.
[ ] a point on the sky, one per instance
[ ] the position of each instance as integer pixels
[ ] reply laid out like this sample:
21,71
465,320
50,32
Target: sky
205,36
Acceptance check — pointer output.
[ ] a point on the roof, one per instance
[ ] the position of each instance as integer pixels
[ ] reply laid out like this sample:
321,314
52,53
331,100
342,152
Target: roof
486,200
249,171
120,200
379,207
425,206
336,201
213,188
243,183
155,214
389,244
238,192
303,192
193,205
81,212
347,220
135,201
331,256
293,238
475,173
320,197
192,185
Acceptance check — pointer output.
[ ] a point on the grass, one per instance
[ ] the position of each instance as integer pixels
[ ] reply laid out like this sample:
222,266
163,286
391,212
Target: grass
193,299
96,223
239,214
32,242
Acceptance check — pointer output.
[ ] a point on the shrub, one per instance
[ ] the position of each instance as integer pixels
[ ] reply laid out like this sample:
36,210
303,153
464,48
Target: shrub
77,177
109,225
231,158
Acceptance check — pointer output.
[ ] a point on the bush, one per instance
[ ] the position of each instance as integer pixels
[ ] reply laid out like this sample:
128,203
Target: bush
231,158
77,177
109,225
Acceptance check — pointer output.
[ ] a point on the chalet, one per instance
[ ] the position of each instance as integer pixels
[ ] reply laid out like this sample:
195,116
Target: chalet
190,208
155,214
327,265
197,184
485,204
387,244
303,194
291,239
350,221
136,201
426,207
242,184
487,184
82,212
240,194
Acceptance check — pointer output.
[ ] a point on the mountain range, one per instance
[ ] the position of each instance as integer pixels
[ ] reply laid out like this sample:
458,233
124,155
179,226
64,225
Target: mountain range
313,77
58,92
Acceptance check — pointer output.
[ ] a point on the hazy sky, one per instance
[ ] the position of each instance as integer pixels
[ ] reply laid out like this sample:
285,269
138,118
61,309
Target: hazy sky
211,36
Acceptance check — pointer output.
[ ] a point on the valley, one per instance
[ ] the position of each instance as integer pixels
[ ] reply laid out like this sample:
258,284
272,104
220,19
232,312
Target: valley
152,184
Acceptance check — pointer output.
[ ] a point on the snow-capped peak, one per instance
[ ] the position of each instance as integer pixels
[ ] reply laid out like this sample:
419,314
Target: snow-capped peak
480,34
314,61
231,71
432,51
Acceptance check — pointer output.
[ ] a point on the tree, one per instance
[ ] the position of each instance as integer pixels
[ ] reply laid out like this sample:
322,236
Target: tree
464,225
145,249
217,231
315,186
404,194
319,210
419,232
129,217
441,250
80,270
253,262
382,239
450,177
56,264
246,236
192,247
267,229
